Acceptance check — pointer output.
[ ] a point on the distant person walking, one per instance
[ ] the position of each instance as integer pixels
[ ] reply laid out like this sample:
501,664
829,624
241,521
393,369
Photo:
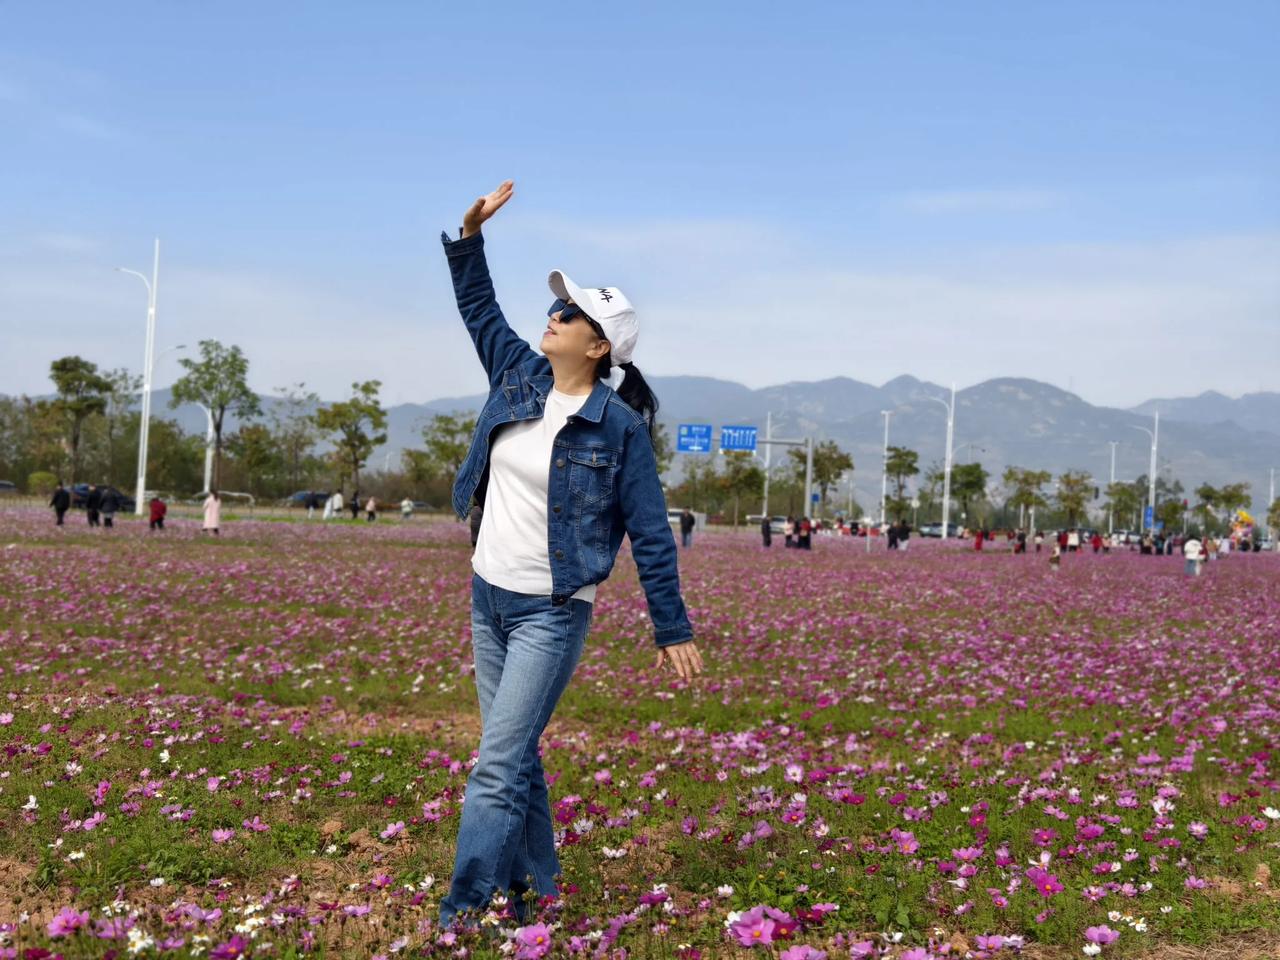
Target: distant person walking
766,532
891,537
1096,542
1193,553
355,504
687,524
158,508
92,505
371,509
61,502
313,501
110,504
1039,540
212,513
904,535
338,505
980,536
406,508
789,532
805,539
1055,558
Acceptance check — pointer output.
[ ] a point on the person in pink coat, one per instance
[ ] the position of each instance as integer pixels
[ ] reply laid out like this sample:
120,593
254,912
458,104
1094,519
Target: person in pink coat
212,512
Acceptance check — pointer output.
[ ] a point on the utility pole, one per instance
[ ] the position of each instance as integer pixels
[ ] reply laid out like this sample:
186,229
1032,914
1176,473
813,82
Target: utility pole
884,466
148,364
1111,509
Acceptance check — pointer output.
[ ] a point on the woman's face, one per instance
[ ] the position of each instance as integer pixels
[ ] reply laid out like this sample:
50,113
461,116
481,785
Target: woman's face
571,338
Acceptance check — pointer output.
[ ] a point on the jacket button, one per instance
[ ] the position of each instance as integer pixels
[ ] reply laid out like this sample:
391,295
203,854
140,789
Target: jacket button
560,461
556,508
559,554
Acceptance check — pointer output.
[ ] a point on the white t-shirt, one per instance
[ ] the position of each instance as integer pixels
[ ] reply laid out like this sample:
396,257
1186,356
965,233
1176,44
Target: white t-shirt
511,551
1191,549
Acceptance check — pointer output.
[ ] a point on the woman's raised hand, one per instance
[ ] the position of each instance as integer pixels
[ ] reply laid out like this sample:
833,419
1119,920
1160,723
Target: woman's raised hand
485,207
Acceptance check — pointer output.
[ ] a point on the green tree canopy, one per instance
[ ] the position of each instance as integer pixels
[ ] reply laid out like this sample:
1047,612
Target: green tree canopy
1074,489
830,463
1025,485
218,381
82,392
358,425
448,438
741,476
968,483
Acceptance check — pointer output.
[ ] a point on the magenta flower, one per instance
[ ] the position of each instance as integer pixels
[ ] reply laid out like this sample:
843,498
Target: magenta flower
233,949
802,951
1101,935
256,824
222,834
66,922
532,942
862,950
1044,881
752,928
393,830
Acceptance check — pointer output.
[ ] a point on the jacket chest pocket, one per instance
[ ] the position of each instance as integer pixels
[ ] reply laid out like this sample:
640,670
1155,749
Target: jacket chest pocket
591,473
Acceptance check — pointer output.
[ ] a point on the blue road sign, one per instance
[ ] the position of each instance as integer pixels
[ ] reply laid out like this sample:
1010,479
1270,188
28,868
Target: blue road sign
1148,515
813,497
738,438
693,438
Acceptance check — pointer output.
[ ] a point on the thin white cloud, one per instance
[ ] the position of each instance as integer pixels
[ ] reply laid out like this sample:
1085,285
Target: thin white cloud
997,200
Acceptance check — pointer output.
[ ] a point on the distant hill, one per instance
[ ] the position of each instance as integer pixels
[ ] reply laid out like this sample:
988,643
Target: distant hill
1000,422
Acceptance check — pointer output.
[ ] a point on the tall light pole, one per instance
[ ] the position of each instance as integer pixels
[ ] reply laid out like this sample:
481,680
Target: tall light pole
1111,513
1151,473
1271,499
884,466
147,364
946,470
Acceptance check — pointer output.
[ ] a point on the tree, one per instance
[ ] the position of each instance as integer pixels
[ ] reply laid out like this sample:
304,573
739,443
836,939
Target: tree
1233,497
121,397
900,463
1074,490
1123,500
663,452
1169,512
257,453
294,429
1025,486
1208,502
218,381
448,438
741,476
1273,517
968,483
81,394
830,463
353,423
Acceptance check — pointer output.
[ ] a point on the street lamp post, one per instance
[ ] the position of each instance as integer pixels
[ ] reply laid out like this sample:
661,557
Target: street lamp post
147,365
1151,473
884,466
1111,513
946,470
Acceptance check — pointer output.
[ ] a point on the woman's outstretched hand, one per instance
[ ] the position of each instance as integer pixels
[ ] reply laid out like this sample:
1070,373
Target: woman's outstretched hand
684,657
485,207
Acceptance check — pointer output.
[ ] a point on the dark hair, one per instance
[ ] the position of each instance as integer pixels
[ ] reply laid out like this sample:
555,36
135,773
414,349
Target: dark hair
634,389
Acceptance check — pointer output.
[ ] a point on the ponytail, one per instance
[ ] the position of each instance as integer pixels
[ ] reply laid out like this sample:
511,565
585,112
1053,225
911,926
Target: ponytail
635,390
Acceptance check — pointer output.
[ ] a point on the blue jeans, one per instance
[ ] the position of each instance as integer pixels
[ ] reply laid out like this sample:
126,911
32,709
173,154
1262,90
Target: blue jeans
526,649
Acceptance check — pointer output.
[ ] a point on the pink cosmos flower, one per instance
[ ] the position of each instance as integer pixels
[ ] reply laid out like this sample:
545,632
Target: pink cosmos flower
1045,882
532,942
862,950
967,853
393,830
223,834
256,824
918,953
1101,935
802,951
752,928
93,821
66,922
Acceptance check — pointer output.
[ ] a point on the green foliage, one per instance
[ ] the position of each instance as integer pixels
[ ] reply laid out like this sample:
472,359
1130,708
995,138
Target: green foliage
41,483
448,438
741,477
358,425
1074,489
1273,515
1124,501
219,381
830,463
81,394
968,483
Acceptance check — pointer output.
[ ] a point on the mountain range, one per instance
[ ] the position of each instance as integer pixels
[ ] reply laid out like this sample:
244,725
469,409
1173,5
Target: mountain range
1006,421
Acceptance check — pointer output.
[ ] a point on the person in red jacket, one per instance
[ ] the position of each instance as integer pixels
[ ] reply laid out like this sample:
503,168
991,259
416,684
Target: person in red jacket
158,510
977,540
1096,542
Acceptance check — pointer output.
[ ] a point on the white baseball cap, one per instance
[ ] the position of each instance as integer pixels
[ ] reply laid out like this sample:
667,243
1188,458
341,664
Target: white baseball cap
608,307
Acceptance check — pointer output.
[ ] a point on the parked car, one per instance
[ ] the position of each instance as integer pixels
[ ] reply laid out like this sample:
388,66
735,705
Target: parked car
8,486
80,493
299,499
935,530
777,524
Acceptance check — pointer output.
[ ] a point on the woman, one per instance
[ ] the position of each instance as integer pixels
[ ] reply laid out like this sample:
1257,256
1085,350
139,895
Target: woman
212,512
371,509
562,462
789,531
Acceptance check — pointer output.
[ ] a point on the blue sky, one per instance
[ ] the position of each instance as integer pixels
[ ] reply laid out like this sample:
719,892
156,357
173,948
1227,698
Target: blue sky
956,191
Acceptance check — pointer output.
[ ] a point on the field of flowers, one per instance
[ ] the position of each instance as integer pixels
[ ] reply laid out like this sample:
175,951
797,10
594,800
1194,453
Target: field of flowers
258,745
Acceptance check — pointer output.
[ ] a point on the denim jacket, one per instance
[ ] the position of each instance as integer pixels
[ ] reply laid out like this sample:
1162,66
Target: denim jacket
603,479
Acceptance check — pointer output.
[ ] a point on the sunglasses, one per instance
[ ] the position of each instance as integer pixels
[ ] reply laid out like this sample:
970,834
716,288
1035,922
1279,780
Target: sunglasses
570,312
